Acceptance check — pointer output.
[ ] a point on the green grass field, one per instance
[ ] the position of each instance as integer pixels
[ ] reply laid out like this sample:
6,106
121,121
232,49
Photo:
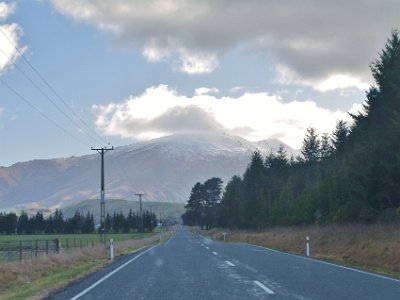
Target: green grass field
85,237
74,240
19,247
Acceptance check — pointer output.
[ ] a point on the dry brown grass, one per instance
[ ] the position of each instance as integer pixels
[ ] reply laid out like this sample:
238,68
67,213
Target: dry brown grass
375,247
75,264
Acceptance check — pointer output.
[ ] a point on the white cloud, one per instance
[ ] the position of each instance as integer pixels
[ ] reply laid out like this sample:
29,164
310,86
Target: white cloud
188,61
205,91
287,76
10,35
160,111
236,89
315,40
6,10
194,63
341,82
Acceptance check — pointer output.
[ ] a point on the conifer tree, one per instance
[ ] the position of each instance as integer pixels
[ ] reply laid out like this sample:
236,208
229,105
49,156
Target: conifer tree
339,136
311,146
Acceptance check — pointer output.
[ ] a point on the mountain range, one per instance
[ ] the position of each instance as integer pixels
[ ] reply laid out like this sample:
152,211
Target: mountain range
165,169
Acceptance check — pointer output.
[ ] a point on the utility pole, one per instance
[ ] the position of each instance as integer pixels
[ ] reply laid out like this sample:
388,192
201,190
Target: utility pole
141,213
101,151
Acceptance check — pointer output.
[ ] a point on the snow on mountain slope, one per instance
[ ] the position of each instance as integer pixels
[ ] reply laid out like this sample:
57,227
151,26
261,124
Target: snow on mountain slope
165,169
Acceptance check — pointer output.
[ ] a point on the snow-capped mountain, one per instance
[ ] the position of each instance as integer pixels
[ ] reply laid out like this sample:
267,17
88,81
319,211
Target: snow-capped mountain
165,169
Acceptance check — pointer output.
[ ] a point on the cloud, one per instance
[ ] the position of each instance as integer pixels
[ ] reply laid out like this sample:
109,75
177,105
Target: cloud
6,10
343,82
205,91
178,119
318,41
161,111
10,35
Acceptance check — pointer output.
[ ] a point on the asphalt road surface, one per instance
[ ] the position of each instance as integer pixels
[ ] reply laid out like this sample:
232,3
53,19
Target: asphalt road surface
189,266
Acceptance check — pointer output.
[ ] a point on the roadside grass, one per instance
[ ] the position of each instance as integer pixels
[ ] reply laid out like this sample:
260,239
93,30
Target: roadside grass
374,247
41,276
84,237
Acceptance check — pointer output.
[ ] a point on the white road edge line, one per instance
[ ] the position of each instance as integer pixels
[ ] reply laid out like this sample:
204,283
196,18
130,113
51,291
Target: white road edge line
170,238
207,248
229,263
328,263
215,253
110,274
266,289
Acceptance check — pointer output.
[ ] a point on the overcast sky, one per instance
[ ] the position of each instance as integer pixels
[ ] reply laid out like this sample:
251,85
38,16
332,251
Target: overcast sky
124,70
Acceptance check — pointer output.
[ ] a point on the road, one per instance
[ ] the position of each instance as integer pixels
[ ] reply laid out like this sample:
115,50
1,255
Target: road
189,266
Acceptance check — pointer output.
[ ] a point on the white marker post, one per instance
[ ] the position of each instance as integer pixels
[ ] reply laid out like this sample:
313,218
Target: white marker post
111,249
160,232
307,246
224,234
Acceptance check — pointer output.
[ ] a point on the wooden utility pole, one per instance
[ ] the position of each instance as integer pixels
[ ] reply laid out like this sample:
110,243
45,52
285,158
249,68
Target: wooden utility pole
141,212
101,151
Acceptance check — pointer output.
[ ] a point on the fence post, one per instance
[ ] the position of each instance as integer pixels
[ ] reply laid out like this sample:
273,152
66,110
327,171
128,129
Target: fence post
20,250
111,249
307,246
58,245
8,250
36,248
47,247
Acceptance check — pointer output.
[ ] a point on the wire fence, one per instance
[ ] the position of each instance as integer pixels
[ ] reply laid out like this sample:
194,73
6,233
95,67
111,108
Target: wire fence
14,250
28,249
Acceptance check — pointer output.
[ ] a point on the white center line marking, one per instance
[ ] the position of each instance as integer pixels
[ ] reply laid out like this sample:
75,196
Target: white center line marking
229,263
267,290
215,253
207,248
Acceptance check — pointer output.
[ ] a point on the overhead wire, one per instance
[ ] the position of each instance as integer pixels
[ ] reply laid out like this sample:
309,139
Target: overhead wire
89,131
44,94
40,112
93,134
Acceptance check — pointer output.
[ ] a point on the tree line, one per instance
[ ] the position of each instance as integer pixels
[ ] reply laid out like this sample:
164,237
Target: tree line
201,209
56,223
352,174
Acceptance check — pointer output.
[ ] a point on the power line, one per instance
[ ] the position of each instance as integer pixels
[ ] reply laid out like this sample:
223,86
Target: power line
96,137
45,95
42,113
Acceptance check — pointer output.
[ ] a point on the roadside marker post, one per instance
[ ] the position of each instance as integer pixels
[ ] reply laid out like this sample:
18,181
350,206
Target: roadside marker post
224,234
111,249
307,246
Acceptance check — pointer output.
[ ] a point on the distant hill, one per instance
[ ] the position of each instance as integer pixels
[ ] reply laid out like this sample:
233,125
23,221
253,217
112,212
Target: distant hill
167,209
165,169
